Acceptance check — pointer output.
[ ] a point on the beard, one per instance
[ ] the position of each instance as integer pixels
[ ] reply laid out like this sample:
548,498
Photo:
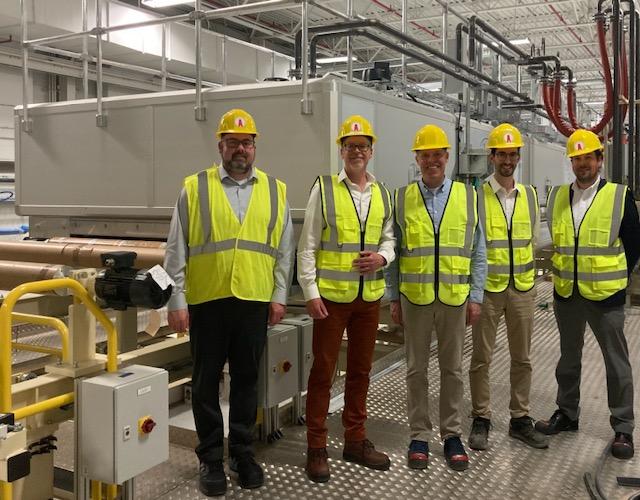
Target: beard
586,176
238,164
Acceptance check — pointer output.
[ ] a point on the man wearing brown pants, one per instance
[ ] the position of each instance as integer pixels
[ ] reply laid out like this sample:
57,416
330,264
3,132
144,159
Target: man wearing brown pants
346,239
508,213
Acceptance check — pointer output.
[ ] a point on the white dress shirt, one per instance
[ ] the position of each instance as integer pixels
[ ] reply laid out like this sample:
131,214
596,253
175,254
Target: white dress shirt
507,199
314,224
582,199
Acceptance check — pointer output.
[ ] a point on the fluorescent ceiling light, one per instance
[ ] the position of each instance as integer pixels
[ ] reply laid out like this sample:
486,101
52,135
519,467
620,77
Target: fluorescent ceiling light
158,4
597,103
521,41
331,60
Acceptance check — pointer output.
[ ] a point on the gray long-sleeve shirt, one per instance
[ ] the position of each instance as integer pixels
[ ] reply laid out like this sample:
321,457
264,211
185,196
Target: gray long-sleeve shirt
238,194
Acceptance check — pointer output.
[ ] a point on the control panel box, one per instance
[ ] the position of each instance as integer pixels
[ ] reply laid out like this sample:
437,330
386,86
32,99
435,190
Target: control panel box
123,423
304,323
278,373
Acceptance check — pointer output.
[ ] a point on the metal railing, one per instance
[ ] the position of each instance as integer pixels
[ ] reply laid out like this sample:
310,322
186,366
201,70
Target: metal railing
196,16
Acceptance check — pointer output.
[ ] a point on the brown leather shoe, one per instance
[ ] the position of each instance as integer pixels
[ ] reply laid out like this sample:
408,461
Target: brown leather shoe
317,465
364,453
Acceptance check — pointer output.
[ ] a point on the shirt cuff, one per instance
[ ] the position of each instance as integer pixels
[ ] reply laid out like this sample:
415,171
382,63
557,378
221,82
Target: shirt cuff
177,302
311,292
279,296
476,296
388,258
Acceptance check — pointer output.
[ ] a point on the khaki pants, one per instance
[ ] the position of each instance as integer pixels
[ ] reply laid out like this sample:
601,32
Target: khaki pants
449,323
517,308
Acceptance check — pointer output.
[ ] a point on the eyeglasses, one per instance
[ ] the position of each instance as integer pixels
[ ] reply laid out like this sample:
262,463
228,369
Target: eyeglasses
235,144
501,155
352,148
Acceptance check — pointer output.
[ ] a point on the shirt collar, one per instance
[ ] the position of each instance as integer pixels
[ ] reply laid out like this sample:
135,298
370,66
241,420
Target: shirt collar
343,176
589,190
225,175
496,186
439,189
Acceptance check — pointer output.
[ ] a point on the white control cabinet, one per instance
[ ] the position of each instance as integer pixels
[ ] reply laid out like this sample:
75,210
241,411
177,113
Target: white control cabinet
123,423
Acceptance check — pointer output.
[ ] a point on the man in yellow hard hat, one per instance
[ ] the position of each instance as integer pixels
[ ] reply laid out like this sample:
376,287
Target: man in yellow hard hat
346,239
508,213
596,242
230,251
438,284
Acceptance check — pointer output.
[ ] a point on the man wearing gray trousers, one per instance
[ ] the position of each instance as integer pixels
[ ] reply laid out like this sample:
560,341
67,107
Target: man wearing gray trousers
596,238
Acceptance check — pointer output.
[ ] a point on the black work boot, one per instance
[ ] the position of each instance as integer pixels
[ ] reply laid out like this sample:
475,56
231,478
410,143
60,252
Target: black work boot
479,435
213,481
250,473
522,428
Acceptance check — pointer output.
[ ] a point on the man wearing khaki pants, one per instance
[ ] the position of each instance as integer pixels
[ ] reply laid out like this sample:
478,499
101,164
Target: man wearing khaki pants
508,213
437,284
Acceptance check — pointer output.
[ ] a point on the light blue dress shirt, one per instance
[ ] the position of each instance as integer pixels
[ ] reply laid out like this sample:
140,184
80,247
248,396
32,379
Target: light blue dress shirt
436,201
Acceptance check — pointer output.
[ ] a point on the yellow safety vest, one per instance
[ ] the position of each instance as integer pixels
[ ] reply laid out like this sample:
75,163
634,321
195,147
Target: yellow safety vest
436,264
596,259
226,258
510,252
343,239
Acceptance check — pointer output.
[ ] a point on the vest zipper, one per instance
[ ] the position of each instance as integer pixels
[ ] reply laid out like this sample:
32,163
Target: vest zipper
362,230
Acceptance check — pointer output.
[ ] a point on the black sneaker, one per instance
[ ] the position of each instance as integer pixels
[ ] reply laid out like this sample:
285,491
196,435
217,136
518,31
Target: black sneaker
522,428
250,473
455,454
558,422
213,481
479,435
622,446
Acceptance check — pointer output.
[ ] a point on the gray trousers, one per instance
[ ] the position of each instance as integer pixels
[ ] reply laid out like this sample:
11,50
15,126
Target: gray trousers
607,325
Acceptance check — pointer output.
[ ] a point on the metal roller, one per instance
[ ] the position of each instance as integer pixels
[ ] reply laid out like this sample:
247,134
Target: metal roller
74,254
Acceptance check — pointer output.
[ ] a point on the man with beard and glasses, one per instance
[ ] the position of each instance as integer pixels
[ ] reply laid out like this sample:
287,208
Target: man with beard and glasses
596,243
230,251
346,239
508,214
438,284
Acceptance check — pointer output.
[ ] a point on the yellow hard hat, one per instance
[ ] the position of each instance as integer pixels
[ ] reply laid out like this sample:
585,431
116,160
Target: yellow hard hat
582,142
430,137
237,121
356,125
504,136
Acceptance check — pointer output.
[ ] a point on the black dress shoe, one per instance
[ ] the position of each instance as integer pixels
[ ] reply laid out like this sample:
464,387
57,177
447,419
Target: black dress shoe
250,473
558,422
213,481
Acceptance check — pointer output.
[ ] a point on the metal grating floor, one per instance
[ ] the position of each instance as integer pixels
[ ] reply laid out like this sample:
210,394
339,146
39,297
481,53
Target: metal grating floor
508,470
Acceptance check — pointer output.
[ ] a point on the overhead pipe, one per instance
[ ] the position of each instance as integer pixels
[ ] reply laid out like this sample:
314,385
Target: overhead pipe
343,28
487,28
462,27
616,164
632,96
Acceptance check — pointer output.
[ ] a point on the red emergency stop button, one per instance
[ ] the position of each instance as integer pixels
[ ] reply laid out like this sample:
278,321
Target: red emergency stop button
286,366
146,425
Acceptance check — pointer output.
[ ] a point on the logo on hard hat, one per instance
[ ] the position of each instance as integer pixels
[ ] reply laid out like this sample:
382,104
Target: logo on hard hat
579,146
356,127
240,122
508,138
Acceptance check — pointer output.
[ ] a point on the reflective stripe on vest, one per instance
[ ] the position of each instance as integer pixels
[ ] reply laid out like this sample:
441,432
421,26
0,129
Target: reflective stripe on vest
596,259
427,257
342,241
510,252
227,258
